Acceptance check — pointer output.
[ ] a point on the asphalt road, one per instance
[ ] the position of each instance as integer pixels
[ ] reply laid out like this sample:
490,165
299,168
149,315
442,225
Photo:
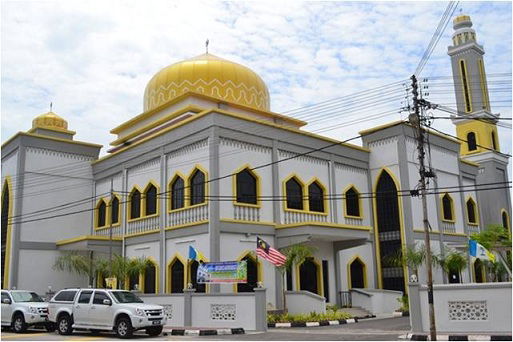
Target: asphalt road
388,329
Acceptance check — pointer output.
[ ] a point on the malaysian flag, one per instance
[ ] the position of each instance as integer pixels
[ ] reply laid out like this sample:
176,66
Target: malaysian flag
264,250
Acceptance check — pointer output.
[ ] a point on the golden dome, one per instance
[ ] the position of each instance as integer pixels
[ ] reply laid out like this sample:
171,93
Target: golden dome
209,75
50,120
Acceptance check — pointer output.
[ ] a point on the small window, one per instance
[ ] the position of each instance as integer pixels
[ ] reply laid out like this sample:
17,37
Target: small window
294,194
177,193
246,187
85,297
114,215
316,197
352,202
494,142
471,141
101,214
135,204
471,211
505,220
65,296
5,296
151,200
99,297
197,184
447,208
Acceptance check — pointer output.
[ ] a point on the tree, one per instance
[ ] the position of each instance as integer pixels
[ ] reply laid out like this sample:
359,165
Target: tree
123,268
452,261
497,239
296,255
411,256
77,263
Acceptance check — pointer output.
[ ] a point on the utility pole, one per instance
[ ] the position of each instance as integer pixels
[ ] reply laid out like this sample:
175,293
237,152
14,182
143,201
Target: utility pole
416,120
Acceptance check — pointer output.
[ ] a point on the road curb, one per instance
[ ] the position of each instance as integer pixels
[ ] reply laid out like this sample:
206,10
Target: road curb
470,337
203,332
317,324
401,314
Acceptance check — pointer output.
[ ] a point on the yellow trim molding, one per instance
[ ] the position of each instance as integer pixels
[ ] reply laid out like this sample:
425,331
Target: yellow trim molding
144,199
258,187
465,85
360,205
263,223
322,224
176,257
260,273
86,237
324,196
188,187
186,225
303,197
129,207
153,231
142,276
177,175
320,280
349,263
97,215
476,213
504,211
451,202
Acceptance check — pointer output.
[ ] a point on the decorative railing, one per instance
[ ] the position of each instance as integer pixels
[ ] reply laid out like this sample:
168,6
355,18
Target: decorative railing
187,215
353,221
116,231
472,228
245,213
143,225
297,217
448,227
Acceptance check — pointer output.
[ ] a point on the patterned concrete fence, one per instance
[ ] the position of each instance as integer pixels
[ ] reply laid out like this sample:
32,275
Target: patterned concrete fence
214,310
462,308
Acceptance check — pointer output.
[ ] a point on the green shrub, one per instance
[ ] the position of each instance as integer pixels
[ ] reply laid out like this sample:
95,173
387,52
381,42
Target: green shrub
332,307
330,315
404,303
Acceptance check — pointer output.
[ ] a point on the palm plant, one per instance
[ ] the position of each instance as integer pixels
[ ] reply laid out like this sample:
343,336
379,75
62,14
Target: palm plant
411,256
74,262
452,261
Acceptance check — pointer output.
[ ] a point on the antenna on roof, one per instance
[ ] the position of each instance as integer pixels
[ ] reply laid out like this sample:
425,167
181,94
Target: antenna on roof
206,45
51,105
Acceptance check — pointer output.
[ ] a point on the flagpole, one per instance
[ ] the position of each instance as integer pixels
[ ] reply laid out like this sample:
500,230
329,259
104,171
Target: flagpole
256,254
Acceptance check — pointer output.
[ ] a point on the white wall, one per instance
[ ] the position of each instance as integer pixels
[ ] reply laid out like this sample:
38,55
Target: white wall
365,254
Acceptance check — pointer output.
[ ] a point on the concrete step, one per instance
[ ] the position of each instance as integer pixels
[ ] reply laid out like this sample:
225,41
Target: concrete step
356,311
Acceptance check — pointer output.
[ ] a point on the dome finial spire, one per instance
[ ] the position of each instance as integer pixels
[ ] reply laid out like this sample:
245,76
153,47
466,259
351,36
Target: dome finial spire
206,46
51,105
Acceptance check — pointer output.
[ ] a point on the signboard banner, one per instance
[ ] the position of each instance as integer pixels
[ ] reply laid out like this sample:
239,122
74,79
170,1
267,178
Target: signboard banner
222,272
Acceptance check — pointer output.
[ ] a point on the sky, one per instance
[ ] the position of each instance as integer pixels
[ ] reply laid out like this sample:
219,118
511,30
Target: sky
93,59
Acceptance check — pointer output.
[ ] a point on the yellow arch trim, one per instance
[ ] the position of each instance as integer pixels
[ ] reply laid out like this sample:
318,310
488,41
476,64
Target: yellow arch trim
483,270
324,196
130,219
478,138
120,212
188,186
401,226
260,273
504,211
320,281
258,187
284,191
176,257
143,199
453,220
484,86
349,263
476,212
142,275
97,214
467,84
177,175
360,202
7,261
189,272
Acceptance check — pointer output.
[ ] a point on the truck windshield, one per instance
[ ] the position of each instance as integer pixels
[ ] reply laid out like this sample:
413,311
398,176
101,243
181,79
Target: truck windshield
126,297
25,296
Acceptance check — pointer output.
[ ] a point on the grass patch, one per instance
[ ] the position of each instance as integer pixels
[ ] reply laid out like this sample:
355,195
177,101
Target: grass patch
311,317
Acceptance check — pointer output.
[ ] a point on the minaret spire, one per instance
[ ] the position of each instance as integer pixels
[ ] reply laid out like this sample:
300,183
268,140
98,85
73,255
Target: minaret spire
206,46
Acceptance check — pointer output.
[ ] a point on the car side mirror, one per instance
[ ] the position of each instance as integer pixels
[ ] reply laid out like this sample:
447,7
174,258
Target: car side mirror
107,302
6,301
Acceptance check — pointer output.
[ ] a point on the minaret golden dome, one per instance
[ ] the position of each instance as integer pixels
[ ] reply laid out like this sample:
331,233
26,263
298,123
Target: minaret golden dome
51,121
209,75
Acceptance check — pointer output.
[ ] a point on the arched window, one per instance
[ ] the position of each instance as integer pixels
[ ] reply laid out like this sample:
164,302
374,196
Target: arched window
479,272
294,194
471,141
197,187
316,197
252,274
177,193
101,213
356,274
150,278
466,86
352,197
150,200
246,184
177,276
471,211
114,210
135,204
505,219
494,142
6,203
310,276
447,208
193,277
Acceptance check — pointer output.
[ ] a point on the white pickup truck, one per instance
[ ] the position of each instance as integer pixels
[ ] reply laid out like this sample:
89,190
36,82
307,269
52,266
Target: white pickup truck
104,309
21,309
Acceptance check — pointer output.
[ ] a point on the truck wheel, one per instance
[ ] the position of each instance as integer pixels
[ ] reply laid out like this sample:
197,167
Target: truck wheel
64,325
124,328
18,323
154,331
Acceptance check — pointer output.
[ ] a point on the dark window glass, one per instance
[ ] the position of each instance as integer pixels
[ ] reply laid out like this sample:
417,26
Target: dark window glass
246,187
177,277
102,214
471,211
151,200
99,297
471,141
357,274
194,277
494,142
197,187
133,281
84,297
478,271
308,276
126,297
315,197
65,296
114,218
288,274
135,204
177,193
294,194
454,277
447,207
149,279
325,280
466,87
5,296
352,202
5,221
505,222
252,276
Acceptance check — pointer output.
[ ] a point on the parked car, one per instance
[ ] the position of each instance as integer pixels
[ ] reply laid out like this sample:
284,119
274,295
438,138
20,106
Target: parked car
104,309
21,309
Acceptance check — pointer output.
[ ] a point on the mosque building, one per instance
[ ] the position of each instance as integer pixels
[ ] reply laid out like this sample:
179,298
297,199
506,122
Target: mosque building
208,164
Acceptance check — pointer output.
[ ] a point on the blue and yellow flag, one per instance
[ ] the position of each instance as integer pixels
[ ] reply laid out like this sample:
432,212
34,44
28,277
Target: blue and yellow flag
478,251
